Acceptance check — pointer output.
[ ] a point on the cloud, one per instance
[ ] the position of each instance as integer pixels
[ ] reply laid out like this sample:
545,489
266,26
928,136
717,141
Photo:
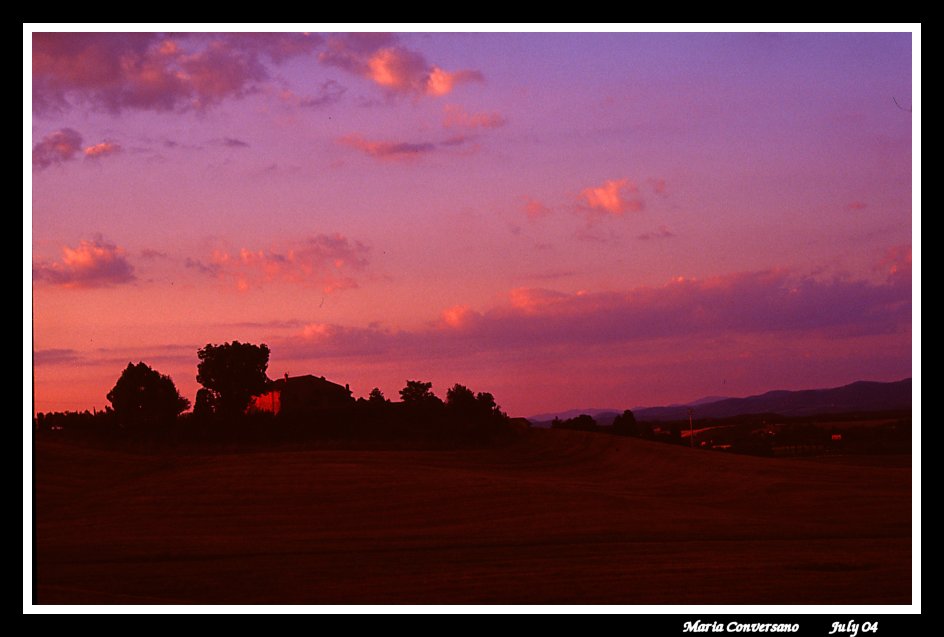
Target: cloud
93,264
442,82
403,150
896,263
388,150
349,51
154,71
530,300
103,149
771,303
400,71
615,197
459,316
56,356
329,92
663,232
232,142
278,47
211,269
856,205
322,261
150,253
457,117
535,209
56,148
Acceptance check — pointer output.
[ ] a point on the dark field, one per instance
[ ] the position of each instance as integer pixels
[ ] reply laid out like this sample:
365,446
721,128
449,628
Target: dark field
557,517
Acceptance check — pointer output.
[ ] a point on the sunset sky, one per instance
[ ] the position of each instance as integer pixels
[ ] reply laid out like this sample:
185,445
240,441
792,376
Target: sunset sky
562,219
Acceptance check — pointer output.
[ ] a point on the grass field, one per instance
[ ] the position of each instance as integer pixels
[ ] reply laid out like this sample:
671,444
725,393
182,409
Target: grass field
557,517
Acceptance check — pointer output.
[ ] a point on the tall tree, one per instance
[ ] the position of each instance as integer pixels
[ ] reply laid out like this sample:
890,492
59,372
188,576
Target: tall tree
234,372
417,393
143,397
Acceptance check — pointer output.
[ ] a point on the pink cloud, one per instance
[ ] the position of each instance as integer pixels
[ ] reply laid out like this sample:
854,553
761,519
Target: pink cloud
327,93
56,148
395,151
856,205
896,262
535,209
442,82
613,197
350,51
770,327
457,117
404,151
771,303
278,47
102,150
662,232
459,316
532,300
152,71
379,58
92,264
323,261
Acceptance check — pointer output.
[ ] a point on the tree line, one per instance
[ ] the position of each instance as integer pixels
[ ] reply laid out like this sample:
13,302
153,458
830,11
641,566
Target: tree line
625,424
147,404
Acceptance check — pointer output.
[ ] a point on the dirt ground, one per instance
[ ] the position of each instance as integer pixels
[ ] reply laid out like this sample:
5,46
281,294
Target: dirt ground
558,517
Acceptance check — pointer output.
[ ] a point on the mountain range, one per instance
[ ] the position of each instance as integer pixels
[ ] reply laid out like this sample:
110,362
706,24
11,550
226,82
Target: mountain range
860,396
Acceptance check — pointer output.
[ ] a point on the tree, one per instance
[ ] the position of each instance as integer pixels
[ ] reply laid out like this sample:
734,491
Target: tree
376,397
625,424
234,372
461,400
418,393
583,422
205,404
143,397
486,402
464,403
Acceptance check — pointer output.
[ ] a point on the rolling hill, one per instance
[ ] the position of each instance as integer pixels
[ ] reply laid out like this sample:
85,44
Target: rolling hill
861,396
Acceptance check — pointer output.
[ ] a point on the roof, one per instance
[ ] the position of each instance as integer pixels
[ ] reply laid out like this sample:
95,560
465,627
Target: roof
307,381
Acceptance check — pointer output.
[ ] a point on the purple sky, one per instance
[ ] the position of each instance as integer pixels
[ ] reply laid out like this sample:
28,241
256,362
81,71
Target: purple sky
562,219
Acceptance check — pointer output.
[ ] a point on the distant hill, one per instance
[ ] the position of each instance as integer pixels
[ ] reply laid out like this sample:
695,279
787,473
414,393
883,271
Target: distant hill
706,399
858,396
602,416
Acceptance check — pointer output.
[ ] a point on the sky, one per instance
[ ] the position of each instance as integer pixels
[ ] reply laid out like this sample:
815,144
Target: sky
565,220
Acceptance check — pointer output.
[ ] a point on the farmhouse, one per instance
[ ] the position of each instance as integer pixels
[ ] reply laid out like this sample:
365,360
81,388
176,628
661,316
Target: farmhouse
302,394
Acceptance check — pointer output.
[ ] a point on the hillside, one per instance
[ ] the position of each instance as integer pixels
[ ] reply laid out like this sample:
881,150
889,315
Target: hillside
557,517
862,396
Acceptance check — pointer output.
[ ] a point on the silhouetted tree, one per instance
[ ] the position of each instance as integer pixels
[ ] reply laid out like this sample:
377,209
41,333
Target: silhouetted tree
205,404
461,400
234,372
486,403
583,422
143,397
625,424
418,393
376,397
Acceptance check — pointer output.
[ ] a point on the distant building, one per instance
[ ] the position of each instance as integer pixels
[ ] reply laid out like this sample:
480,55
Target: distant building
302,394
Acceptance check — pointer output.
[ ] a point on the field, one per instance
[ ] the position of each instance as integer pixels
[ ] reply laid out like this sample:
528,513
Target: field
556,517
